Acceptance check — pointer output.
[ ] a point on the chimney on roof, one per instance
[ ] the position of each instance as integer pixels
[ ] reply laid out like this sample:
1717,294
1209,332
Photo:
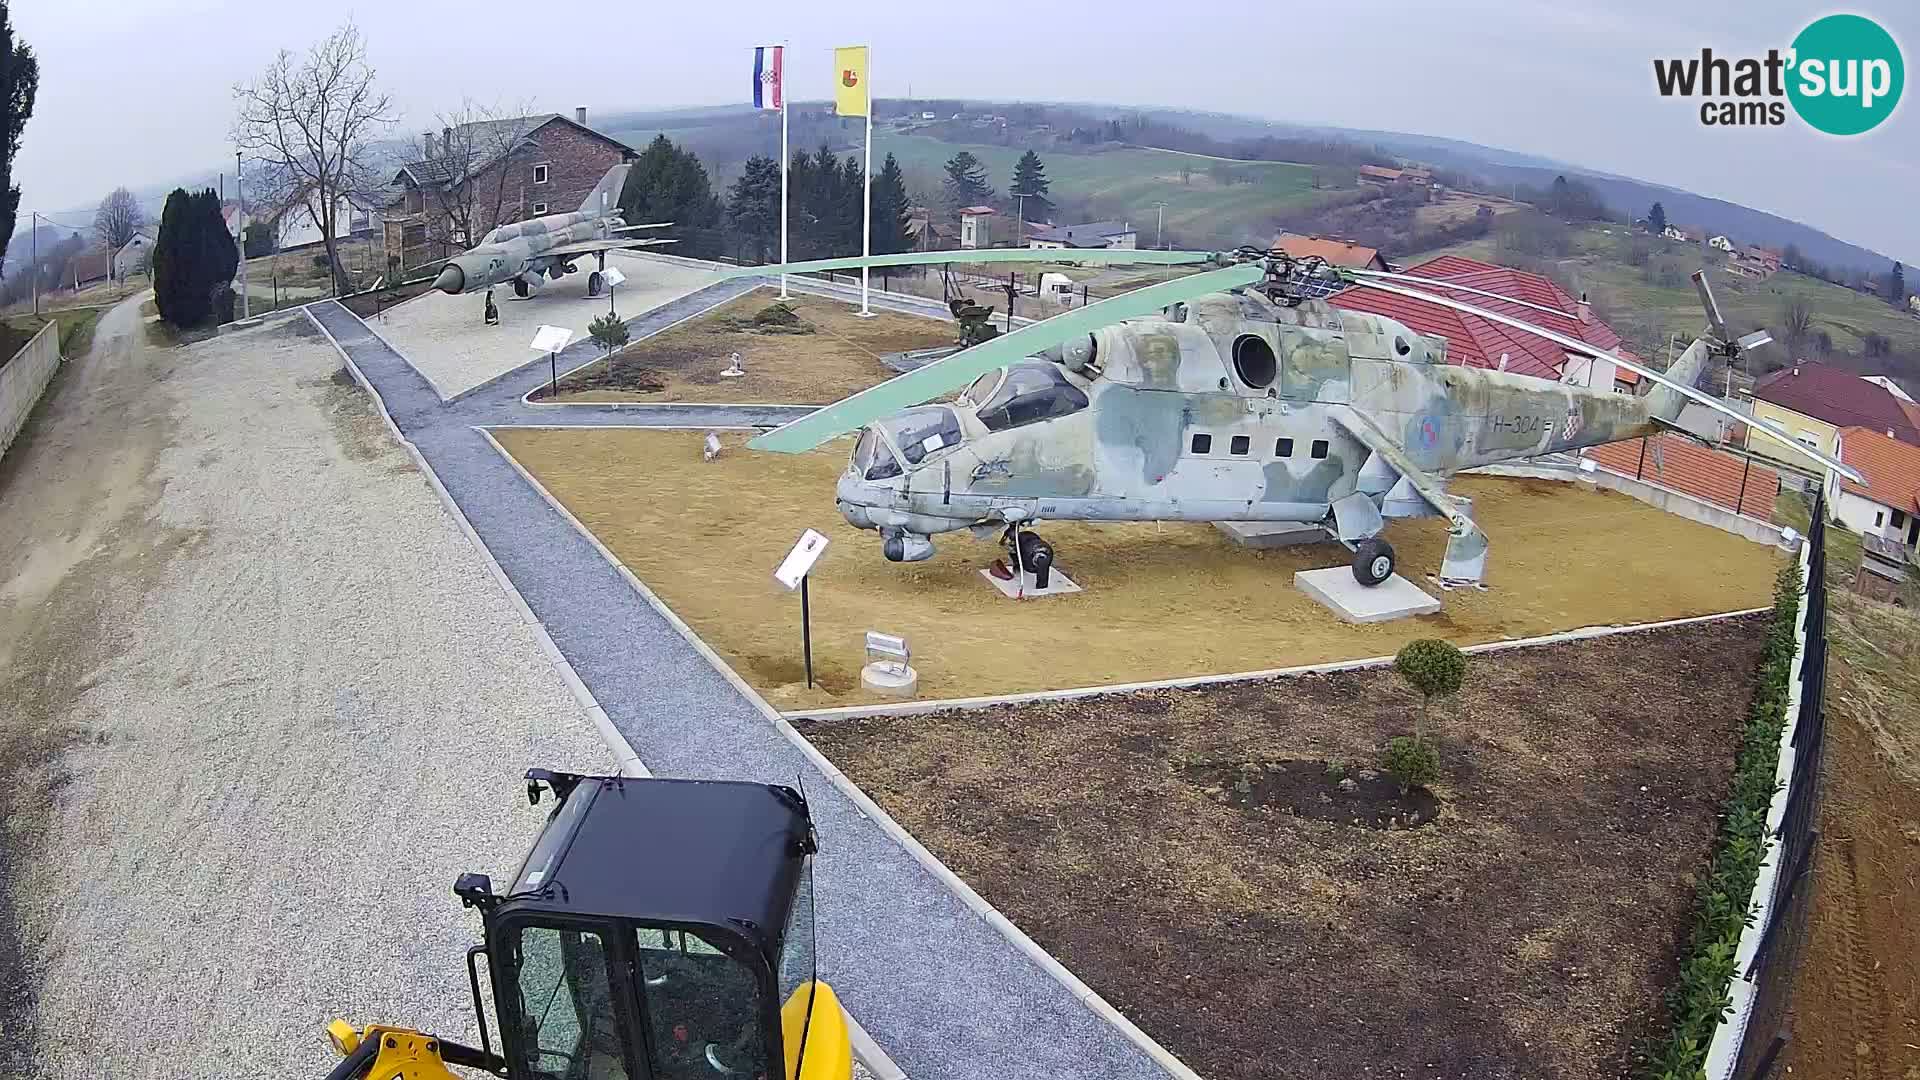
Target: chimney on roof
1585,309
426,142
446,140
580,116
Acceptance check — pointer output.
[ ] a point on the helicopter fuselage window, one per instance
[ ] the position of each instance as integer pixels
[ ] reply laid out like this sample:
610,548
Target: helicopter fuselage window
1283,448
1030,393
1239,445
871,458
925,430
1202,443
1319,449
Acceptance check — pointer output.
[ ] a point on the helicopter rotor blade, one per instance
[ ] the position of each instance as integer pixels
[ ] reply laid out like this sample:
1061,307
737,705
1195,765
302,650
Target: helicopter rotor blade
1714,319
987,255
1438,283
941,376
1768,428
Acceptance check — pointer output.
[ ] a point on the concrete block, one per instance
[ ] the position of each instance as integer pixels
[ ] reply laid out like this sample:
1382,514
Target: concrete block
890,678
1394,598
1058,584
1265,535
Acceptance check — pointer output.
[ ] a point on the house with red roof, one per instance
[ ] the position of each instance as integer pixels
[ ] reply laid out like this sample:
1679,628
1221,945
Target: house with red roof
1815,402
1479,342
1334,252
1887,505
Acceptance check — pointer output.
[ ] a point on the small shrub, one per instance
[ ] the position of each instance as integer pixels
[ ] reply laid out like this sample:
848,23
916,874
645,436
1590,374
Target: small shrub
1411,762
776,314
1434,668
1336,770
608,332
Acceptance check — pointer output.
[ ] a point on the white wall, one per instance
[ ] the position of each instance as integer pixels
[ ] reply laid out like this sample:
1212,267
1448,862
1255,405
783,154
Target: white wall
1857,513
24,378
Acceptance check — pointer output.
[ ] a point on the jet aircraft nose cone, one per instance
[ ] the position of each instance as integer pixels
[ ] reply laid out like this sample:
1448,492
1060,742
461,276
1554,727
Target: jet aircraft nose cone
452,279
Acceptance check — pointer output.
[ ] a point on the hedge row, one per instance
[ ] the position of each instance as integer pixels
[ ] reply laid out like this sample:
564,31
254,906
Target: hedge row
1700,998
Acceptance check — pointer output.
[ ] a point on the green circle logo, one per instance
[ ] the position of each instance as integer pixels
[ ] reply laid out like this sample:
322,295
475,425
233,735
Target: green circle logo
1846,76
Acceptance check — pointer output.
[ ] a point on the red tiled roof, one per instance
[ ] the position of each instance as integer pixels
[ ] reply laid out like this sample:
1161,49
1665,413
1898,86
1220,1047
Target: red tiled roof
1335,252
1839,397
1477,342
1892,468
1678,462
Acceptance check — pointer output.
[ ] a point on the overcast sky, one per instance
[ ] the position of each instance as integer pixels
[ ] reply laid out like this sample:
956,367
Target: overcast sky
140,91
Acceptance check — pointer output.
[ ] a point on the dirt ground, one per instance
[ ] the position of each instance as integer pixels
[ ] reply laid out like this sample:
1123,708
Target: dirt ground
829,354
1855,1009
1160,601
1527,930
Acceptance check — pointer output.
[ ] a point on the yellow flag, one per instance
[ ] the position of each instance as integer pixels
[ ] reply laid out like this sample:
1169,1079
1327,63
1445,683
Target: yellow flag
850,81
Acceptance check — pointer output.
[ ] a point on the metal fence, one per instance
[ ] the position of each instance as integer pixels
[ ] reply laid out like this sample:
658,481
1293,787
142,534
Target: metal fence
1772,969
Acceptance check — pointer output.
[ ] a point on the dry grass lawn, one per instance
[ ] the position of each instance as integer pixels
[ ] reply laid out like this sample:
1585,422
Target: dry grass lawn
838,355
1161,601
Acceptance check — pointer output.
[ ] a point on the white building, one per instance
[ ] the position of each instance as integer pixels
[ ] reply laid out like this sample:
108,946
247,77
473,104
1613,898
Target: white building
1888,505
135,255
974,231
1721,243
1094,234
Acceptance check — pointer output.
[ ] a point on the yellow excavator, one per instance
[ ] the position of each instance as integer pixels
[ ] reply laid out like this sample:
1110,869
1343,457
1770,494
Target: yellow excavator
658,930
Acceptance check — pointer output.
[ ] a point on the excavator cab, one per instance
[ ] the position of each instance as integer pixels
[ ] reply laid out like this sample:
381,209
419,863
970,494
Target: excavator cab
658,930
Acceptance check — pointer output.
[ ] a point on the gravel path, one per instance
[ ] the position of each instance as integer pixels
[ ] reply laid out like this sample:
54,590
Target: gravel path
291,705
941,991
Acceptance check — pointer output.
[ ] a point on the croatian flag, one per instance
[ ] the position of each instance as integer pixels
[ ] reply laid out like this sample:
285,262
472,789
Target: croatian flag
766,77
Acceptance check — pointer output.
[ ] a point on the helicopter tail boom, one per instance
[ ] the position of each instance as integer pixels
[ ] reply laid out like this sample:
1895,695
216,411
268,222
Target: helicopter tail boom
1664,402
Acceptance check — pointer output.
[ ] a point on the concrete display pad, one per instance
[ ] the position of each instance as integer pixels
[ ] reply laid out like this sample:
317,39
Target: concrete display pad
1394,598
443,337
1058,584
1266,535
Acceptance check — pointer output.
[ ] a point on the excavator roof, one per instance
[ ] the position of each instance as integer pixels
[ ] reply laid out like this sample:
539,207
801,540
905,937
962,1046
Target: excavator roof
701,852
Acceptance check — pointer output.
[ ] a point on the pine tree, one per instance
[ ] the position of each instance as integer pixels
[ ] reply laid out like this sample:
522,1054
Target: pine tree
1657,219
849,214
193,260
668,183
890,209
966,183
753,205
19,83
172,264
1029,176
1897,285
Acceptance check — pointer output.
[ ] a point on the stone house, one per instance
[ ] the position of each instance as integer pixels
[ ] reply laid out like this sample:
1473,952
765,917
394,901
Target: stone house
478,176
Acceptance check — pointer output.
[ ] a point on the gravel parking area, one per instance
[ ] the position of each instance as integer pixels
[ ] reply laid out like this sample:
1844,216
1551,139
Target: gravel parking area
265,702
445,338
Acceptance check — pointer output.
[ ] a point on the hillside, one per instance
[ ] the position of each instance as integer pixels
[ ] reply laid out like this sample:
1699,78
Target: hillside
1647,303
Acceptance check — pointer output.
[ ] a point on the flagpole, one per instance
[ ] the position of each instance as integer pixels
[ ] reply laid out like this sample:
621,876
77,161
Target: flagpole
784,157
866,223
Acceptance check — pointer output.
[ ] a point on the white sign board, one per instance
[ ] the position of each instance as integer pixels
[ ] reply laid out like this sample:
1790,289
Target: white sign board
613,276
800,559
550,339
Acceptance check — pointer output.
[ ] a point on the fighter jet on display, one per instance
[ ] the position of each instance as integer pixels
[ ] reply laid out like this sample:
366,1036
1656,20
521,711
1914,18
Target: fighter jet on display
524,251
1234,394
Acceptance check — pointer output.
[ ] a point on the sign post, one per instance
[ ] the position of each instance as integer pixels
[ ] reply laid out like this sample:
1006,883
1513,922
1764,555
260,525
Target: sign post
612,277
793,573
550,340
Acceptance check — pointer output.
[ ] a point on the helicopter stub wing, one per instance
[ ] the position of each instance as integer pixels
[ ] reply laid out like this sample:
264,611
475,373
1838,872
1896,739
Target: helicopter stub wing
941,376
1571,344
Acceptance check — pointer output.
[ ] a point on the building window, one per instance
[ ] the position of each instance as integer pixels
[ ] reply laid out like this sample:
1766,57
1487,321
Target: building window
1319,449
1283,448
1879,519
539,208
1240,444
1899,520
539,174
1202,443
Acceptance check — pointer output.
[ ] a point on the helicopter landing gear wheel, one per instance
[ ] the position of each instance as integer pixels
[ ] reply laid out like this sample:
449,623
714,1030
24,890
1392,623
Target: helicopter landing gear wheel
1372,561
1026,550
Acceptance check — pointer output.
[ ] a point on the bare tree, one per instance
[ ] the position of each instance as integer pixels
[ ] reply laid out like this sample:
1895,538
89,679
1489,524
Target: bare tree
1796,321
117,219
467,189
309,120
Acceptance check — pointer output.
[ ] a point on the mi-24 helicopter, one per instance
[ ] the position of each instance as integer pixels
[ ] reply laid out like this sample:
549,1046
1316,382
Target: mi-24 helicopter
1233,394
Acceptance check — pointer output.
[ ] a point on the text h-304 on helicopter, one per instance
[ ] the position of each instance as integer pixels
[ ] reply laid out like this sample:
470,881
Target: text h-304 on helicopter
1233,394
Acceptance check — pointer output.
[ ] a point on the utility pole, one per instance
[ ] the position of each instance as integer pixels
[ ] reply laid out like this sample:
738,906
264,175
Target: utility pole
240,239
1160,228
35,268
1020,211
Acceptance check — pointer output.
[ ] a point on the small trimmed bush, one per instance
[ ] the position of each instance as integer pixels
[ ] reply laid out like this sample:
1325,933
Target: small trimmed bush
608,332
1411,762
1434,668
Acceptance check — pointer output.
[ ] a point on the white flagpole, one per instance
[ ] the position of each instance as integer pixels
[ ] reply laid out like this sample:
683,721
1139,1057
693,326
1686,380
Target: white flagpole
866,224
784,157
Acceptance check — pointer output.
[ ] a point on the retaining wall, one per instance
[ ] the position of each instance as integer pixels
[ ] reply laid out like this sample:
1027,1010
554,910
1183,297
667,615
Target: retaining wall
1659,495
24,378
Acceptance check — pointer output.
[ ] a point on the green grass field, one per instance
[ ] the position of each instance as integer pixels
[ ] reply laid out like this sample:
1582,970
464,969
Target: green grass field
1132,181
1646,313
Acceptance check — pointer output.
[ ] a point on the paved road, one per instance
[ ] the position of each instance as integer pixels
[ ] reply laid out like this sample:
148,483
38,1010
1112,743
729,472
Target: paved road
944,993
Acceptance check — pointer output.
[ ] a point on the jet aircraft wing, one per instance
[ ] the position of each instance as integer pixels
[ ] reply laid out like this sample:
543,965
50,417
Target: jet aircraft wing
592,247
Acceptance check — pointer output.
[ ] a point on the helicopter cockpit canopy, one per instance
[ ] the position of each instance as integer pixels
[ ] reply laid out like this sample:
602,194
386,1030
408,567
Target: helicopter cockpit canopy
915,433
1024,393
